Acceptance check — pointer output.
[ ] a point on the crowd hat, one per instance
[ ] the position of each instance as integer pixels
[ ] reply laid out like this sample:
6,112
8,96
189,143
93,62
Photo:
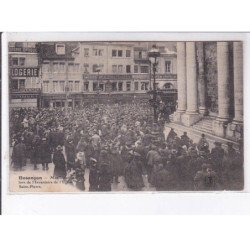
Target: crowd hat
59,147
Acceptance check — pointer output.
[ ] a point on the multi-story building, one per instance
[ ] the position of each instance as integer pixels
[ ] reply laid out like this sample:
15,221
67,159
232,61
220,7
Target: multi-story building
24,75
72,73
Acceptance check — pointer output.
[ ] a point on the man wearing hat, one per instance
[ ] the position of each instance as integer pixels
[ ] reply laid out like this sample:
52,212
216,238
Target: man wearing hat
60,163
45,153
70,153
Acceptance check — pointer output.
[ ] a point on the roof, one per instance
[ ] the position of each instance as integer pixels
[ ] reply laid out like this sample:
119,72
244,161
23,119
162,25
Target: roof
48,51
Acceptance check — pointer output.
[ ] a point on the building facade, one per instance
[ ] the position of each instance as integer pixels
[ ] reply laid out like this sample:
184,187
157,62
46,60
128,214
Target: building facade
76,73
24,75
210,88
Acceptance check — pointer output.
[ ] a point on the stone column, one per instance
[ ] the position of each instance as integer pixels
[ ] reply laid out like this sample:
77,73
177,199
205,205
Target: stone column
238,82
191,116
201,79
223,88
181,81
235,129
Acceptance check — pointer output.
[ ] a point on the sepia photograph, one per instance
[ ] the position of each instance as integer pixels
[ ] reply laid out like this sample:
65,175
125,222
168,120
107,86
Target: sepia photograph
125,116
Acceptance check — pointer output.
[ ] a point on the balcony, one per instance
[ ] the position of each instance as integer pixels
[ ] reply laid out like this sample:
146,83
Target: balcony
26,90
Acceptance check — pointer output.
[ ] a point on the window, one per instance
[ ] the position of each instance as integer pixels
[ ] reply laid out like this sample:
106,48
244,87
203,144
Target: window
94,67
86,52
114,53
71,67
168,66
77,86
21,61
61,86
119,68
144,69
128,86
86,68
95,86
100,52
76,67
128,53
15,61
55,86
136,69
95,52
22,84
60,49
61,66
46,67
114,68
45,87
119,53
136,86
55,67
14,84
69,87
128,69
144,85
86,86
114,86
140,55
120,86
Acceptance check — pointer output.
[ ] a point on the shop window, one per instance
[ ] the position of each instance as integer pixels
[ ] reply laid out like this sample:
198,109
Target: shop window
95,86
14,84
22,84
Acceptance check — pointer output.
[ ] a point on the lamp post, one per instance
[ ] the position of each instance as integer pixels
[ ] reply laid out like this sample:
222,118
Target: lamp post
67,97
97,70
153,54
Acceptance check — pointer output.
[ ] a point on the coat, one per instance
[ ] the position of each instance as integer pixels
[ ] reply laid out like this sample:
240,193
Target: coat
60,164
45,152
116,164
133,175
105,177
19,155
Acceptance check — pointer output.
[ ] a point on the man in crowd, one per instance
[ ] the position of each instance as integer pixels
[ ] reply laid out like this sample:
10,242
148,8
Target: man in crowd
116,141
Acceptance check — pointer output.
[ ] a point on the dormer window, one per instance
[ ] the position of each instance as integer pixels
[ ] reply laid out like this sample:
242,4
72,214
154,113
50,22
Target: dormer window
60,49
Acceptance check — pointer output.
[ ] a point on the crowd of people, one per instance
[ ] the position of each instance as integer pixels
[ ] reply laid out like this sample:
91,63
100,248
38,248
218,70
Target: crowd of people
114,141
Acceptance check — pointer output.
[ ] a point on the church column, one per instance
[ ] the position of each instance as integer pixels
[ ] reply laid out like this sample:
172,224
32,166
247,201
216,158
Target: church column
201,79
191,116
181,81
235,129
223,88
238,82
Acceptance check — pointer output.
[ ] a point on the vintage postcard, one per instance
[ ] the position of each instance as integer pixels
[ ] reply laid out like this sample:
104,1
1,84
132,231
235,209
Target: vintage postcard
122,116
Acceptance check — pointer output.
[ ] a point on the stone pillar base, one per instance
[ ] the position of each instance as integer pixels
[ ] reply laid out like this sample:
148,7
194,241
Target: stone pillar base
234,130
203,111
177,116
219,128
188,119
